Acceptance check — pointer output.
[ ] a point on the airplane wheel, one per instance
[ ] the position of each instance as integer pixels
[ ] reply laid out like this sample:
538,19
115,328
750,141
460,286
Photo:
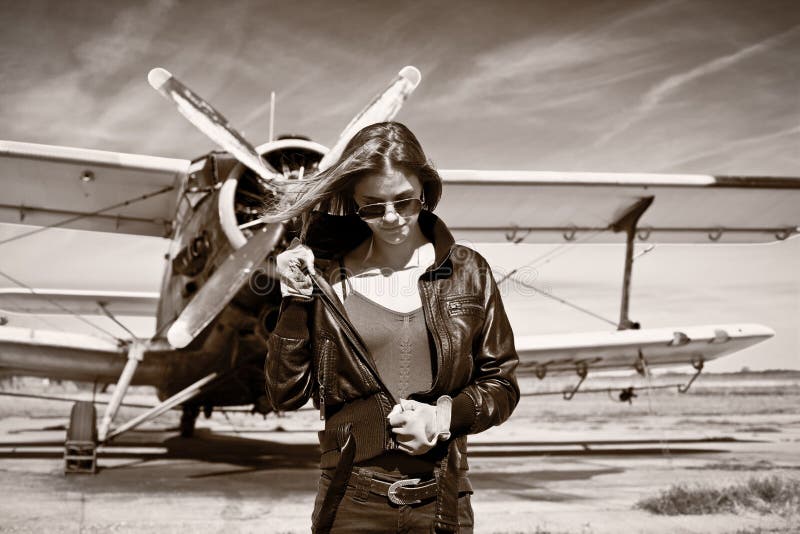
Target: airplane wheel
188,420
82,422
80,448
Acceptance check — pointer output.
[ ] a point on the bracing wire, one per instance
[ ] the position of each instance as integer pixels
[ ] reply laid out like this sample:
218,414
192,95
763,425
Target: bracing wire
564,248
62,307
69,220
64,222
547,257
552,254
648,391
565,302
119,323
50,323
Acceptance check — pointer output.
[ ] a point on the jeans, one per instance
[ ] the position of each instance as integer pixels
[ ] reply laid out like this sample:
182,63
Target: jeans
365,512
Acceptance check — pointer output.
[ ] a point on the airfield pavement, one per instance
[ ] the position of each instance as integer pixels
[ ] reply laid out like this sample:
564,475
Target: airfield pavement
554,467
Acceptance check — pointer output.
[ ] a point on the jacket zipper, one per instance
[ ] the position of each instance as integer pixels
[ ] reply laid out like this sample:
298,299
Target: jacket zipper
321,379
436,340
349,333
454,306
389,442
429,319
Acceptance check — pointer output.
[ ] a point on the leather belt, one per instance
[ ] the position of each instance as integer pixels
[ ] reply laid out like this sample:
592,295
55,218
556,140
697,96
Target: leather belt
403,491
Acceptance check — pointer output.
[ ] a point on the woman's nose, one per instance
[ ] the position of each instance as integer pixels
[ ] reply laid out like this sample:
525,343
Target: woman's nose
390,215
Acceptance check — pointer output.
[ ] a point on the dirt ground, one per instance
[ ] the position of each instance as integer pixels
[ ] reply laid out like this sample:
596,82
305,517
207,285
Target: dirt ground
554,467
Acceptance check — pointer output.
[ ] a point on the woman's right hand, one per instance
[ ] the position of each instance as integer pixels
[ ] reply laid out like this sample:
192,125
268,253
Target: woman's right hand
290,263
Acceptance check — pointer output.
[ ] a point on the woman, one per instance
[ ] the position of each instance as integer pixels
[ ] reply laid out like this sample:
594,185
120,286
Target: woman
397,333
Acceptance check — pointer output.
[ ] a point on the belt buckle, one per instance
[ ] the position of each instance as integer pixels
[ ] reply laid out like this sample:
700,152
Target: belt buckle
392,491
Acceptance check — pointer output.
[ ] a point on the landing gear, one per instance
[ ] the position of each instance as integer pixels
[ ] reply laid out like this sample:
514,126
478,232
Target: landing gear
178,399
188,419
80,448
135,355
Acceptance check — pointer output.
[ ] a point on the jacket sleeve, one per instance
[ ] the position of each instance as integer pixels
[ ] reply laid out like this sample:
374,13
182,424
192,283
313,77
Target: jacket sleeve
288,369
494,392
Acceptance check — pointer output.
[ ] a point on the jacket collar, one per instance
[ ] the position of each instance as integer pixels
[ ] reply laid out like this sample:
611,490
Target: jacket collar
331,236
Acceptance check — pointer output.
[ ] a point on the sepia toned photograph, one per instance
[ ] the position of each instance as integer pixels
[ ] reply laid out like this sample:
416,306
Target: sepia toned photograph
400,267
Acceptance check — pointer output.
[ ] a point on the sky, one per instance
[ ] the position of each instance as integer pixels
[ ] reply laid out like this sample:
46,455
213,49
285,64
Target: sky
640,86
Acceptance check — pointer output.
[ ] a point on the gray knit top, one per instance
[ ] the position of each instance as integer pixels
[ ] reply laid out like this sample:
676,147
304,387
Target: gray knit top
397,342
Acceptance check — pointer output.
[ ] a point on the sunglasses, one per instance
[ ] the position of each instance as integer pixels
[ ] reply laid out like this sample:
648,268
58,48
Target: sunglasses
407,207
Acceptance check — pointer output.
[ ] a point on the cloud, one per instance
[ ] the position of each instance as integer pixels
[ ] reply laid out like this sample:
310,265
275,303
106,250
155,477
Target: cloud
656,94
554,67
736,145
131,33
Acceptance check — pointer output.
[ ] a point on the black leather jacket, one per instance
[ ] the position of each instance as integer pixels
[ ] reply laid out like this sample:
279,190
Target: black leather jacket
315,351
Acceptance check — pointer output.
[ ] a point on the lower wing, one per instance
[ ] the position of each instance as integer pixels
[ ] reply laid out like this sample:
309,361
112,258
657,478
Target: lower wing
631,349
67,356
71,301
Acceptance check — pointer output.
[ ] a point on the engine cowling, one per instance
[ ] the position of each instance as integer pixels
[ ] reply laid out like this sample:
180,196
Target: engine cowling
243,194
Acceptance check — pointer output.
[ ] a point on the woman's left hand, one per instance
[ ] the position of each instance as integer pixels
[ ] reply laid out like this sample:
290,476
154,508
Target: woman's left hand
418,426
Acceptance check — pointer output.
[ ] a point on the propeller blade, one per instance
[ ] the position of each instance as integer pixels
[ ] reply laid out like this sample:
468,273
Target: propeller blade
210,121
222,286
383,108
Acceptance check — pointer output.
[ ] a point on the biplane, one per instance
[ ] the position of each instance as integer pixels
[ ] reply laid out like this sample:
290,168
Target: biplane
217,305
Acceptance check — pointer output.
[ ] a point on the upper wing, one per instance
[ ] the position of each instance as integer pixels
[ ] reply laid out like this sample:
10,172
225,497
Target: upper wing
621,349
60,301
548,207
88,189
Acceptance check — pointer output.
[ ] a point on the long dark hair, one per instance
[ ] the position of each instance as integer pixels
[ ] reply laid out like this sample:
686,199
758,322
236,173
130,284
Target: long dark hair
376,149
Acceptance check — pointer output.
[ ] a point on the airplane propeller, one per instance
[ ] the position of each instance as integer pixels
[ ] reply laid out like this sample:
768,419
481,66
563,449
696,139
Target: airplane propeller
384,107
211,122
222,286
235,271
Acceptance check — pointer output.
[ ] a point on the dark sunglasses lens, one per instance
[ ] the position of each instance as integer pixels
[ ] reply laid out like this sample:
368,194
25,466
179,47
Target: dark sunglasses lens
408,207
372,211
404,208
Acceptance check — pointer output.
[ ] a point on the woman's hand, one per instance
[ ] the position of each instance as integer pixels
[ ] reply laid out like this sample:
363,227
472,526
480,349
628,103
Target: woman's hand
290,262
418,426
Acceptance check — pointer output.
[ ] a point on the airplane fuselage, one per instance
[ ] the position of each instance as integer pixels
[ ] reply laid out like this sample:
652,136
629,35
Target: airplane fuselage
234,343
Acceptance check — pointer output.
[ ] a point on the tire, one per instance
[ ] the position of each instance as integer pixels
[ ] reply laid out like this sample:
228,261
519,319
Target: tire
82,422
188,419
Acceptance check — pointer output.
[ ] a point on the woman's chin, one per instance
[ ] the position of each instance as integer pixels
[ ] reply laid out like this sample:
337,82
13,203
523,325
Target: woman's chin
394,237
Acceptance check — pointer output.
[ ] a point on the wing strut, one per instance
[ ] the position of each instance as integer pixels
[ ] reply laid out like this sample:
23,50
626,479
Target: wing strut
627,223
135,355
184,395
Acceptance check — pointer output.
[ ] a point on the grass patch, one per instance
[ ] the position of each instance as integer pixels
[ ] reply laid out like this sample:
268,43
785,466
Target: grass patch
767,495
758,429
706,422
761,465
